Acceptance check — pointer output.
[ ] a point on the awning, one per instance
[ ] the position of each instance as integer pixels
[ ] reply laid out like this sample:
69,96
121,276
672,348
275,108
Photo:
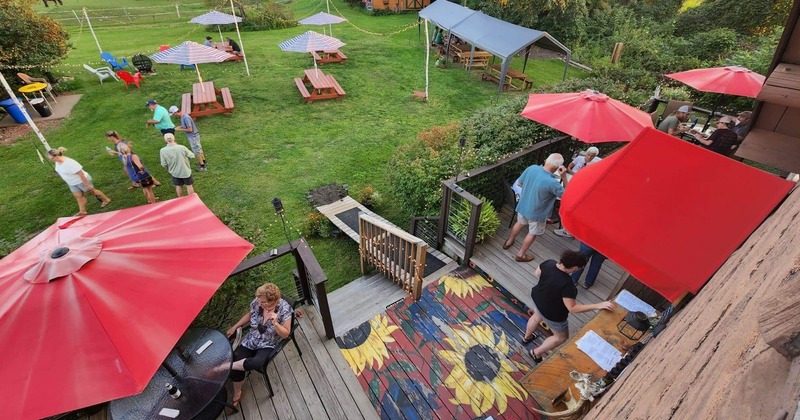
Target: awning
667,211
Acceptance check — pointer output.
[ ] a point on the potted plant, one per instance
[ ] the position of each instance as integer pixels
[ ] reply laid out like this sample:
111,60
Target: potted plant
488,222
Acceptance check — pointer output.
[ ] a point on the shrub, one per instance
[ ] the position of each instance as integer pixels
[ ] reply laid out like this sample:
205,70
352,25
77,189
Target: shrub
318,225
369,197
487,223
269,15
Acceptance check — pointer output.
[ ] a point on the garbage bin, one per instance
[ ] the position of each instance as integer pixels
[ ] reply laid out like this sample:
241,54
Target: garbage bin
14,110
41,107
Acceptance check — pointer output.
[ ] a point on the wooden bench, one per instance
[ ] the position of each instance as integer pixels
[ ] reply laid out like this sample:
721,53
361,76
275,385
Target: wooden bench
302,88
342,56
186,104
227,99
336,86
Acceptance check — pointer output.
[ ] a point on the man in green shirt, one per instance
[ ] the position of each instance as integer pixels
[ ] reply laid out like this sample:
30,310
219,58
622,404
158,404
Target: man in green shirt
671,124
161,119
175,159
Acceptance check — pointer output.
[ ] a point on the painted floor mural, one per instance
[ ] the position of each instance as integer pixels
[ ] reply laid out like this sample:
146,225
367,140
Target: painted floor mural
457,353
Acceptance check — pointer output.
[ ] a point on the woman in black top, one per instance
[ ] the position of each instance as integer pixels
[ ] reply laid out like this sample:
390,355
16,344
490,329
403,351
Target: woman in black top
554,299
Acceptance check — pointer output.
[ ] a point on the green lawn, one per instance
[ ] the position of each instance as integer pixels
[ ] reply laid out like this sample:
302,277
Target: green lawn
273,145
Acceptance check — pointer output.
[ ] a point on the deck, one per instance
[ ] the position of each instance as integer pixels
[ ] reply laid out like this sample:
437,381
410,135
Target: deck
518,278
319,384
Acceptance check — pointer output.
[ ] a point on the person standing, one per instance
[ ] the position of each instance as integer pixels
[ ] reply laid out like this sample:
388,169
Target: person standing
580,162
175,159
135,167
118,141
79,181
160,120
539,193
554,299
192,134
595,260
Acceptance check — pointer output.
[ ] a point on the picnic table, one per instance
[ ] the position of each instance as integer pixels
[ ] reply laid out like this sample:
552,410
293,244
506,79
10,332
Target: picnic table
493,73
329,56
323,86
204,100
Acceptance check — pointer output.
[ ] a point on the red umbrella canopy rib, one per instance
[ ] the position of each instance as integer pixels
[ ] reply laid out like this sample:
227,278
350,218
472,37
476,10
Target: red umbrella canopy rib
589,116
667,211
731,80
93,323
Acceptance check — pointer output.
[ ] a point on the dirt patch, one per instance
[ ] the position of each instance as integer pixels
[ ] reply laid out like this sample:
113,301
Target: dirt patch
326,194
9,135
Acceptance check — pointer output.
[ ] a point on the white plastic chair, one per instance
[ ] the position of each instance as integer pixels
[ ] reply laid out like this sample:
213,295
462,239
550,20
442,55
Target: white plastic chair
101,72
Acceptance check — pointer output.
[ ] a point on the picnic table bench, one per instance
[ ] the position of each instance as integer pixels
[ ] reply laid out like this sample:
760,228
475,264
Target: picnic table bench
204,100
323,86
329,56
493,73
479,59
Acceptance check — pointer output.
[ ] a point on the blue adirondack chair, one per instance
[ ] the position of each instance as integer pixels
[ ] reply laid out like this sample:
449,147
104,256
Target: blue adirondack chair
114,62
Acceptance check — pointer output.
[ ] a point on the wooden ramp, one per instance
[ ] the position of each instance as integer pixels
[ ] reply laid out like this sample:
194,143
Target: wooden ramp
518,278
317,385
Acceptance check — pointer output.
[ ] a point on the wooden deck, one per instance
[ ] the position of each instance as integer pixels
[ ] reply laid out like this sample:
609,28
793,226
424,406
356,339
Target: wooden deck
318,385
518,278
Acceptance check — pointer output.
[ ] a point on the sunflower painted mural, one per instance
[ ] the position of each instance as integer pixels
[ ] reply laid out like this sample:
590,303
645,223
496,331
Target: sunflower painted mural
455,353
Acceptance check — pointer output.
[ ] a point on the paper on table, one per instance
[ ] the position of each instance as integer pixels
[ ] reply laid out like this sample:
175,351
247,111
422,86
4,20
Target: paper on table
604,354
632,303
169,412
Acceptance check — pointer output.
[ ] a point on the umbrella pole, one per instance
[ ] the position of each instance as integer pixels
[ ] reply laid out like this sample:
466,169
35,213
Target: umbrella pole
427,58
92,30
24,112
197,69
713,111
221,39
330,27
241,44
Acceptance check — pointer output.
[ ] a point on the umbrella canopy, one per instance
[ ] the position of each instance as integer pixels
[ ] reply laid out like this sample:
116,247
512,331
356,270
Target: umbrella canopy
190,53
667,211
215,18
322,18
311,41
589,116
94,324
731,80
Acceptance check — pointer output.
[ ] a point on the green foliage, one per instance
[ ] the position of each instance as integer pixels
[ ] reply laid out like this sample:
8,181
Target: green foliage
369,197
269,15
713,44
318,225
68,85
488,222
757,54
752,17
28,39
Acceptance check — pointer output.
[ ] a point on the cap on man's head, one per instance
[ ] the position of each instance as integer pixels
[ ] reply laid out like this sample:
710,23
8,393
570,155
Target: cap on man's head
173,109
593,151
169,137
684,108
151,102
746,114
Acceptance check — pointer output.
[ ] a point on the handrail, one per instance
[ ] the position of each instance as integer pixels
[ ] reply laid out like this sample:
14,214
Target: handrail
397,254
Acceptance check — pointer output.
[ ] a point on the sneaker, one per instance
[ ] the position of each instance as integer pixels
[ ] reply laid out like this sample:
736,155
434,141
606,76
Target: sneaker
563,233
201,169
587,286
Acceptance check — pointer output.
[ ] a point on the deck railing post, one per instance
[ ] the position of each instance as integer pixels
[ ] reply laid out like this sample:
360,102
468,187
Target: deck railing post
472,230
447,194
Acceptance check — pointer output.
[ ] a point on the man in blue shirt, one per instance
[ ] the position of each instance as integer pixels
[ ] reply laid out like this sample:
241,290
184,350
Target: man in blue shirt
541,186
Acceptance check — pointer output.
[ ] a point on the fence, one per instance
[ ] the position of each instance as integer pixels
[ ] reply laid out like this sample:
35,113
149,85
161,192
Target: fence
399,255
126,16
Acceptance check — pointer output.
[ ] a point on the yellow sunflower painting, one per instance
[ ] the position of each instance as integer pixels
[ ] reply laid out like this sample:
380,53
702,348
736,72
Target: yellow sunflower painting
461,287
481,374
365,345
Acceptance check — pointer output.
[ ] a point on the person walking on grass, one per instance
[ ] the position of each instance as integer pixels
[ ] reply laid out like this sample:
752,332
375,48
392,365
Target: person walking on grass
192,134
79,181
133,165
118,141
554,299
175,159
160,120
539,193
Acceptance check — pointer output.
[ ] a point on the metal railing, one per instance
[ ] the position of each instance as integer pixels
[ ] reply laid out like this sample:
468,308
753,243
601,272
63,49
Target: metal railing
425,228
399,255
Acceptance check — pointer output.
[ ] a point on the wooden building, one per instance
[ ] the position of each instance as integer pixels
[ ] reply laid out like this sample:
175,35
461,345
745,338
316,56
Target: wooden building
397,5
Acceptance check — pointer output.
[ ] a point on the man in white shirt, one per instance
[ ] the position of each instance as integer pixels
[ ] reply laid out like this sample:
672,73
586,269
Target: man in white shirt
577,164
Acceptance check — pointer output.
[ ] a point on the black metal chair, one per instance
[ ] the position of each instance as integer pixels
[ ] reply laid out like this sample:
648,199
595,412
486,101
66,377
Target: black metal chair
278,349
510,197
142,63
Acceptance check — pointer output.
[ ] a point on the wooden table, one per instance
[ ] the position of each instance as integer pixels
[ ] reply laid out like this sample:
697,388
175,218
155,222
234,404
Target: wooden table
205,100
323,86
33,88
329,56
494,71
548,383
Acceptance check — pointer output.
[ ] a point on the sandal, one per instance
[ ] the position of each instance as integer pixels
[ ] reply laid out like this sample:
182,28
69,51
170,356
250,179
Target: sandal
234,407
536,360
526,340
507,245
80,214
134,186
105,203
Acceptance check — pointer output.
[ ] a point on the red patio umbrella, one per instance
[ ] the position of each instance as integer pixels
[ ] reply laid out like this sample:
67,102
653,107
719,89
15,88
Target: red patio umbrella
731,80
589,116
94,324
667,211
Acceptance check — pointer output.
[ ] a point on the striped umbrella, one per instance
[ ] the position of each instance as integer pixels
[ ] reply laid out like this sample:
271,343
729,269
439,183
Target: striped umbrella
190,53
309,42
322,19
216,18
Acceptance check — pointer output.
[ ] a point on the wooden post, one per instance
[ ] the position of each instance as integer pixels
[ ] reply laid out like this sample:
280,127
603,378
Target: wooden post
472,230
419,271
617,53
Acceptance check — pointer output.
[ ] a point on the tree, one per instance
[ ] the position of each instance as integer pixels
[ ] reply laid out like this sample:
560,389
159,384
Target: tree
28,40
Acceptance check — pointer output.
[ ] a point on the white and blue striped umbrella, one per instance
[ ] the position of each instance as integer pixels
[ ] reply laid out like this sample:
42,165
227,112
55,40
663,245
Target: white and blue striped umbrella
322,18
190,53
309,42
215,18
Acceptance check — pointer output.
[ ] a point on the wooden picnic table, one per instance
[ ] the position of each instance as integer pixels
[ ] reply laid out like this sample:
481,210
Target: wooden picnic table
493,73
204,99
324,86
329,56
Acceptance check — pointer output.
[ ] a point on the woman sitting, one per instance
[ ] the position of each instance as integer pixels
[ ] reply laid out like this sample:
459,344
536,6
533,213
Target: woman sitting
270,319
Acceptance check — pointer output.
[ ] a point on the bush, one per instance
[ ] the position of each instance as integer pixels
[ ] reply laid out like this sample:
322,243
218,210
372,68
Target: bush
369,197
318,225
487,223
269,15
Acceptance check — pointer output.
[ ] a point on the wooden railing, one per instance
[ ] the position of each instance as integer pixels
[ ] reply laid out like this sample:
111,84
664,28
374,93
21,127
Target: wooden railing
399,255
485,181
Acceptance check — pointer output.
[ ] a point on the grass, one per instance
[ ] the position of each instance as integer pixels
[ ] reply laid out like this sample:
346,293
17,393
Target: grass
273,145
